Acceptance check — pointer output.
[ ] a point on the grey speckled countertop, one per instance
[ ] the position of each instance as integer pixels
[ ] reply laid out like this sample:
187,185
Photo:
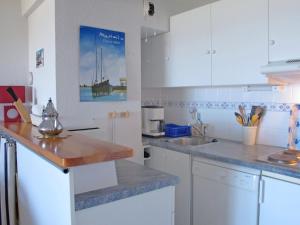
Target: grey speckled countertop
133,179
230,152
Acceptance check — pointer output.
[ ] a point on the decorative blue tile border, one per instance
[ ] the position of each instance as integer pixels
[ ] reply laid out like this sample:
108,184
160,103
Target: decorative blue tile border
273,107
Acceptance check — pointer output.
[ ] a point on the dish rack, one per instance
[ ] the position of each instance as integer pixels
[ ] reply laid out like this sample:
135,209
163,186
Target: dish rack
174,130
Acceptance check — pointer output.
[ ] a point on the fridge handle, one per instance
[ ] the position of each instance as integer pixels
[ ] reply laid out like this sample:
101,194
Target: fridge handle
10,152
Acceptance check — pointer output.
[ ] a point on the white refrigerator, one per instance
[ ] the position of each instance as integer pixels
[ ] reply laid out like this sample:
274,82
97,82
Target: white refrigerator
8,199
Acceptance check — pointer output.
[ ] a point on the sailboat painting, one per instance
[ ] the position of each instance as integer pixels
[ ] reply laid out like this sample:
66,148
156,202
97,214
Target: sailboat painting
103,74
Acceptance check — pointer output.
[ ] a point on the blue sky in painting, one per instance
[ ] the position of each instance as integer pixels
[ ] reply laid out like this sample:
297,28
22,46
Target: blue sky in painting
113,50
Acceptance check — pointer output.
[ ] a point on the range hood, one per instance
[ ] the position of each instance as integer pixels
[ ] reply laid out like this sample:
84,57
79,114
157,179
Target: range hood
283,71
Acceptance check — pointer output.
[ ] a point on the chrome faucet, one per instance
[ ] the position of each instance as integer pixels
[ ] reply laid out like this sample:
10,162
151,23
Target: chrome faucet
198,127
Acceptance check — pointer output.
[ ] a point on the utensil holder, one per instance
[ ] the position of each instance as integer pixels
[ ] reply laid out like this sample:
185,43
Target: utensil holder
249,135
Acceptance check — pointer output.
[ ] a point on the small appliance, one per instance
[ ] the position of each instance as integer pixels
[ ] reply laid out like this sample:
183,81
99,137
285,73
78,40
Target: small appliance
153,121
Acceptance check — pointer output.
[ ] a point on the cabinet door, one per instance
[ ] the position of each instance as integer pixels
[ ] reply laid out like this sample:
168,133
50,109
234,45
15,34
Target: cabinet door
179,165
280,203
284,29
158,159
240,41
155,61
190,48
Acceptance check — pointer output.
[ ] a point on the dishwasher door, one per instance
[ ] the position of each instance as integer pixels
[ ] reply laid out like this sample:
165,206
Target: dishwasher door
223,196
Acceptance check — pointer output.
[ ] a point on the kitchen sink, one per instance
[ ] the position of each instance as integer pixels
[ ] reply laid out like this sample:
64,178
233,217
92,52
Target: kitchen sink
193,141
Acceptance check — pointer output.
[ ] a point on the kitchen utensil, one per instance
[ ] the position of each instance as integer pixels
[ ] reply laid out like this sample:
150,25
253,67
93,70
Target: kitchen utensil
254,120
19,105
239,118
253,110
259,111
50,125
243,113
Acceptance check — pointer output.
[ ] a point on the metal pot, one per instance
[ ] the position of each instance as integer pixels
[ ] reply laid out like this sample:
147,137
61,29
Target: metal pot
50,126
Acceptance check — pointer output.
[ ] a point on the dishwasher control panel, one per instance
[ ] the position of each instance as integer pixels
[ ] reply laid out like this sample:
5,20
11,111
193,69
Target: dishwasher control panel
226,176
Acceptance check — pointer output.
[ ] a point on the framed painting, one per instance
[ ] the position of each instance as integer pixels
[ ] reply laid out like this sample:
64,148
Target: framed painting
103,74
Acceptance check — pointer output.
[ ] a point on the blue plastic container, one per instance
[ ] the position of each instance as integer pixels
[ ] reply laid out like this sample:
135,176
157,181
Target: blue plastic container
173,130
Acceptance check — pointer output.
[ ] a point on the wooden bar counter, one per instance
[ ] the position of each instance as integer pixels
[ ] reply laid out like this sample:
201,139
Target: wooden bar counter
67,150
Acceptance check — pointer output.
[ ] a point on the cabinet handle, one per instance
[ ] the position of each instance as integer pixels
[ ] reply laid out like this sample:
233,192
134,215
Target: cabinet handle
208,52
214,52
272,42
261,191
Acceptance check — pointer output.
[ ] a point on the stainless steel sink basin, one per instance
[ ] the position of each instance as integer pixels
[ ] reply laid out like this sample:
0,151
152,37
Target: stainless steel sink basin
193,141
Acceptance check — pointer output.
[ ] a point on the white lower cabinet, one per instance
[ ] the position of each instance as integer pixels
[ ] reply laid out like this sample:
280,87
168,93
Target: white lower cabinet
45,192
280,200
151,208
178,164
224,194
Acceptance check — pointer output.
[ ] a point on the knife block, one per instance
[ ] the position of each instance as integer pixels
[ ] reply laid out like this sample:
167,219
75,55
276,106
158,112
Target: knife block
22,111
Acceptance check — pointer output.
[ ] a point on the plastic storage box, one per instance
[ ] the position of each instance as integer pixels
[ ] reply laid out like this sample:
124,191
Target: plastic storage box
173,130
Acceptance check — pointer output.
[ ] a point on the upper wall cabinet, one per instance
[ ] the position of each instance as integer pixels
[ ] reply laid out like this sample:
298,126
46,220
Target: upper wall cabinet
155,61
240,41
224,43
190,59
284,29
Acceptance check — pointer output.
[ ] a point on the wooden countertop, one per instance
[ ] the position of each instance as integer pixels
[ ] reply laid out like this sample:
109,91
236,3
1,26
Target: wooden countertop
68,151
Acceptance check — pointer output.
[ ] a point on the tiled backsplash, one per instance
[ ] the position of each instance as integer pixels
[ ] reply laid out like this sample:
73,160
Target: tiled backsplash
217,107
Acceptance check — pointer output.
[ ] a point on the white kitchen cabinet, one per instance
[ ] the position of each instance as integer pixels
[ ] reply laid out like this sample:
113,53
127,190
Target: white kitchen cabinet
239,41
284,29
181,57
178,164
155,61
151,208
224,43
190,48
279,201
45,192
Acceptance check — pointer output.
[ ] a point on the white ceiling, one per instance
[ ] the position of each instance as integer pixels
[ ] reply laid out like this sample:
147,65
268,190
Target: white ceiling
177,6
174,7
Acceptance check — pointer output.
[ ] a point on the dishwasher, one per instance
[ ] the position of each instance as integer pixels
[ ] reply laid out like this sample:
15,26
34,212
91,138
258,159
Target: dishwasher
224,194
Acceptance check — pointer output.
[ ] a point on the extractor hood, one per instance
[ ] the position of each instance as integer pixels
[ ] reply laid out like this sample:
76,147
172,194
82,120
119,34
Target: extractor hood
283,71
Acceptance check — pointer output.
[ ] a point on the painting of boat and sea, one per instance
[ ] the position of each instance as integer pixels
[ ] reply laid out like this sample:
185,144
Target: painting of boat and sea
102,65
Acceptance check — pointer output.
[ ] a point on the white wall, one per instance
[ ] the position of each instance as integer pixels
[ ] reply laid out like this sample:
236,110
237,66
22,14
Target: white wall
125,16
54,26
13,44
217,107
178,6
41,28
161,19
28,6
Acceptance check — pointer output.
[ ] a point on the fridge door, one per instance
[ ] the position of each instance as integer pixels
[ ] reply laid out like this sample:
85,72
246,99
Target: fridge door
3,213
8,182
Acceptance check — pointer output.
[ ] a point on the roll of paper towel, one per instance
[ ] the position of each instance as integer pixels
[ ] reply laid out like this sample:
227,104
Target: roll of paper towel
294,128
